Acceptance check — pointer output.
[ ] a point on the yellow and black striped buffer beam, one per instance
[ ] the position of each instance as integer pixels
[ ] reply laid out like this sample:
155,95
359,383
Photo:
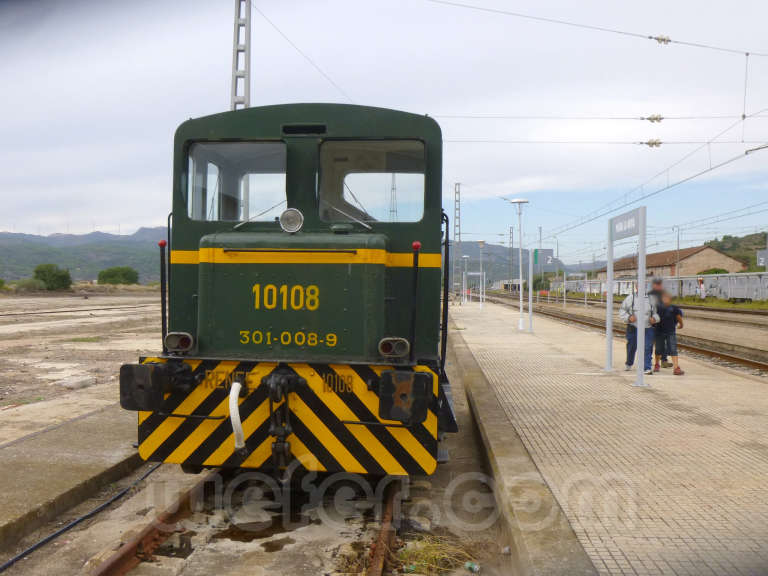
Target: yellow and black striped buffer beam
334,419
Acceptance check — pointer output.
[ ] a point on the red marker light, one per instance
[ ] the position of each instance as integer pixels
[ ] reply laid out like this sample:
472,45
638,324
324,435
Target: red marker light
162,243
416,245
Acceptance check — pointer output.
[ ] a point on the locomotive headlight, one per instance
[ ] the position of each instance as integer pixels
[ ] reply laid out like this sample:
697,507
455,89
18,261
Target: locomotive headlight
291,220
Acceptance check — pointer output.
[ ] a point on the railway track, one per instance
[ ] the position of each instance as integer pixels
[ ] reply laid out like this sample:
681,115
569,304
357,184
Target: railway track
74,310
742,316
739,355
145,545
141,547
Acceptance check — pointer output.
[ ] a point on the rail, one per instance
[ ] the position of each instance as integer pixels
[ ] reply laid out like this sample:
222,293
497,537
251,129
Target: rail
740,355
141,546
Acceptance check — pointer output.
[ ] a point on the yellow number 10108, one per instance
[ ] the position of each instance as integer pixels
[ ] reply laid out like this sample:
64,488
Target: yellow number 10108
286,297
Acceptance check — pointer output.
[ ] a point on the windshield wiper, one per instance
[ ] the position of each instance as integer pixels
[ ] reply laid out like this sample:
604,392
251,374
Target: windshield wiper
236,226
356,200
347,215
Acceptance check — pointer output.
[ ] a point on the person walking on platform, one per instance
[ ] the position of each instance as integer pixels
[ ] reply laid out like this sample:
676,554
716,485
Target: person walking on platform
629,312
655,299
671,319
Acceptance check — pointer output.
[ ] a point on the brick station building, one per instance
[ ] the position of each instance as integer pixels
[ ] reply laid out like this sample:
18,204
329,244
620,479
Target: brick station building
692,261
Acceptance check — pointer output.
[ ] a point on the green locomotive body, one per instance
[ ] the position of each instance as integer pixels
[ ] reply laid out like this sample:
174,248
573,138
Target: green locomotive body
304,310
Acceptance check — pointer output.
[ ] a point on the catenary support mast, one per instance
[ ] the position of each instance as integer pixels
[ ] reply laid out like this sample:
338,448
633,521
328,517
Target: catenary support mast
241,56
456,234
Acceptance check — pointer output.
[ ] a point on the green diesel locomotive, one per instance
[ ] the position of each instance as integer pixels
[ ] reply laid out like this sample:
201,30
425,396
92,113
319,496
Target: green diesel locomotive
304,319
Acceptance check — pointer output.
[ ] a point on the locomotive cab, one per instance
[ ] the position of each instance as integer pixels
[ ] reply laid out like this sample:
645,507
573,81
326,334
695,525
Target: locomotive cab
304,291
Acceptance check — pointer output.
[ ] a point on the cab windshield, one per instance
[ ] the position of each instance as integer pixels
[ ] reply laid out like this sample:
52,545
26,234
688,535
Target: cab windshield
236,181
372,181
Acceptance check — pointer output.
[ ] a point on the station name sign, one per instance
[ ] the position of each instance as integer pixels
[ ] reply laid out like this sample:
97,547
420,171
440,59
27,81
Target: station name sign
625,225
762,258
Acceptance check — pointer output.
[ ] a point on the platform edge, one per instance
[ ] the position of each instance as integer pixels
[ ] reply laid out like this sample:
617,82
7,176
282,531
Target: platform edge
551,550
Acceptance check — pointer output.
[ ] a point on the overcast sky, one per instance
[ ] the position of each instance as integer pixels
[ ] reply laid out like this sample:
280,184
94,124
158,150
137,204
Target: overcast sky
92,92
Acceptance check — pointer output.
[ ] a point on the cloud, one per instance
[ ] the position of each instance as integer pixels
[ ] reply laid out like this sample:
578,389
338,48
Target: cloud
94,91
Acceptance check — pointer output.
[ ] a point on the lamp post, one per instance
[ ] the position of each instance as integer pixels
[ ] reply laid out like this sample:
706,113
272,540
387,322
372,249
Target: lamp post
464,279
482,275
519,203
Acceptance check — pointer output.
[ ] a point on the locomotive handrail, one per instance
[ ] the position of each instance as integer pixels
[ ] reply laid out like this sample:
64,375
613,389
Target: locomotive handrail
446,280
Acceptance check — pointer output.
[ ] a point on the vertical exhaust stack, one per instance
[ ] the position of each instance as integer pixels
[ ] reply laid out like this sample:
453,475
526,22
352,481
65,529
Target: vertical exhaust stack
163,299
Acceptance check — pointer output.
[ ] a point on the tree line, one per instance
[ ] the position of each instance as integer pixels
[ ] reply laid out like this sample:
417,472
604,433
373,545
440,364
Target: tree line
52,278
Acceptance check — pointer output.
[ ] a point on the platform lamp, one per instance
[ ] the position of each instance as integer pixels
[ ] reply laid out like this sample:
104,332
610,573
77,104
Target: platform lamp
519,203
464,279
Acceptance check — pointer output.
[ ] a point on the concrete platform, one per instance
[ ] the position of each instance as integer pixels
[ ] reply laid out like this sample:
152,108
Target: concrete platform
55,467
669,479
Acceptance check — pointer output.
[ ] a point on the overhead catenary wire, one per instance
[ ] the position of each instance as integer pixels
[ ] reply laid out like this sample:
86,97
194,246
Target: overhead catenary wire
673,185
303,54
705,221
658,38
728,219
698,224
653,118
624,200
652,143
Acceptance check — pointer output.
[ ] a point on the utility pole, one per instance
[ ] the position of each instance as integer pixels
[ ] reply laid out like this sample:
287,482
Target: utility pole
456,232
541,273
241,56
464,283
393,200
519,203
241,80
557,257
677,266
511,257
482,275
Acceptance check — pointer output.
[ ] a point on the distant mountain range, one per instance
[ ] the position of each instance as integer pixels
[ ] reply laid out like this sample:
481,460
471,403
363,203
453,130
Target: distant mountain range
496,262
83,254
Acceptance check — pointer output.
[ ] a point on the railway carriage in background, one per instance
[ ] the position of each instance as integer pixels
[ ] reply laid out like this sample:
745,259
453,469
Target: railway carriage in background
304,279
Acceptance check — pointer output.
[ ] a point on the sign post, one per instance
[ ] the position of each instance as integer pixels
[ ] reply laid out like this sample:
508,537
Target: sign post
530,290
537,256
609,301
762,259
632,223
